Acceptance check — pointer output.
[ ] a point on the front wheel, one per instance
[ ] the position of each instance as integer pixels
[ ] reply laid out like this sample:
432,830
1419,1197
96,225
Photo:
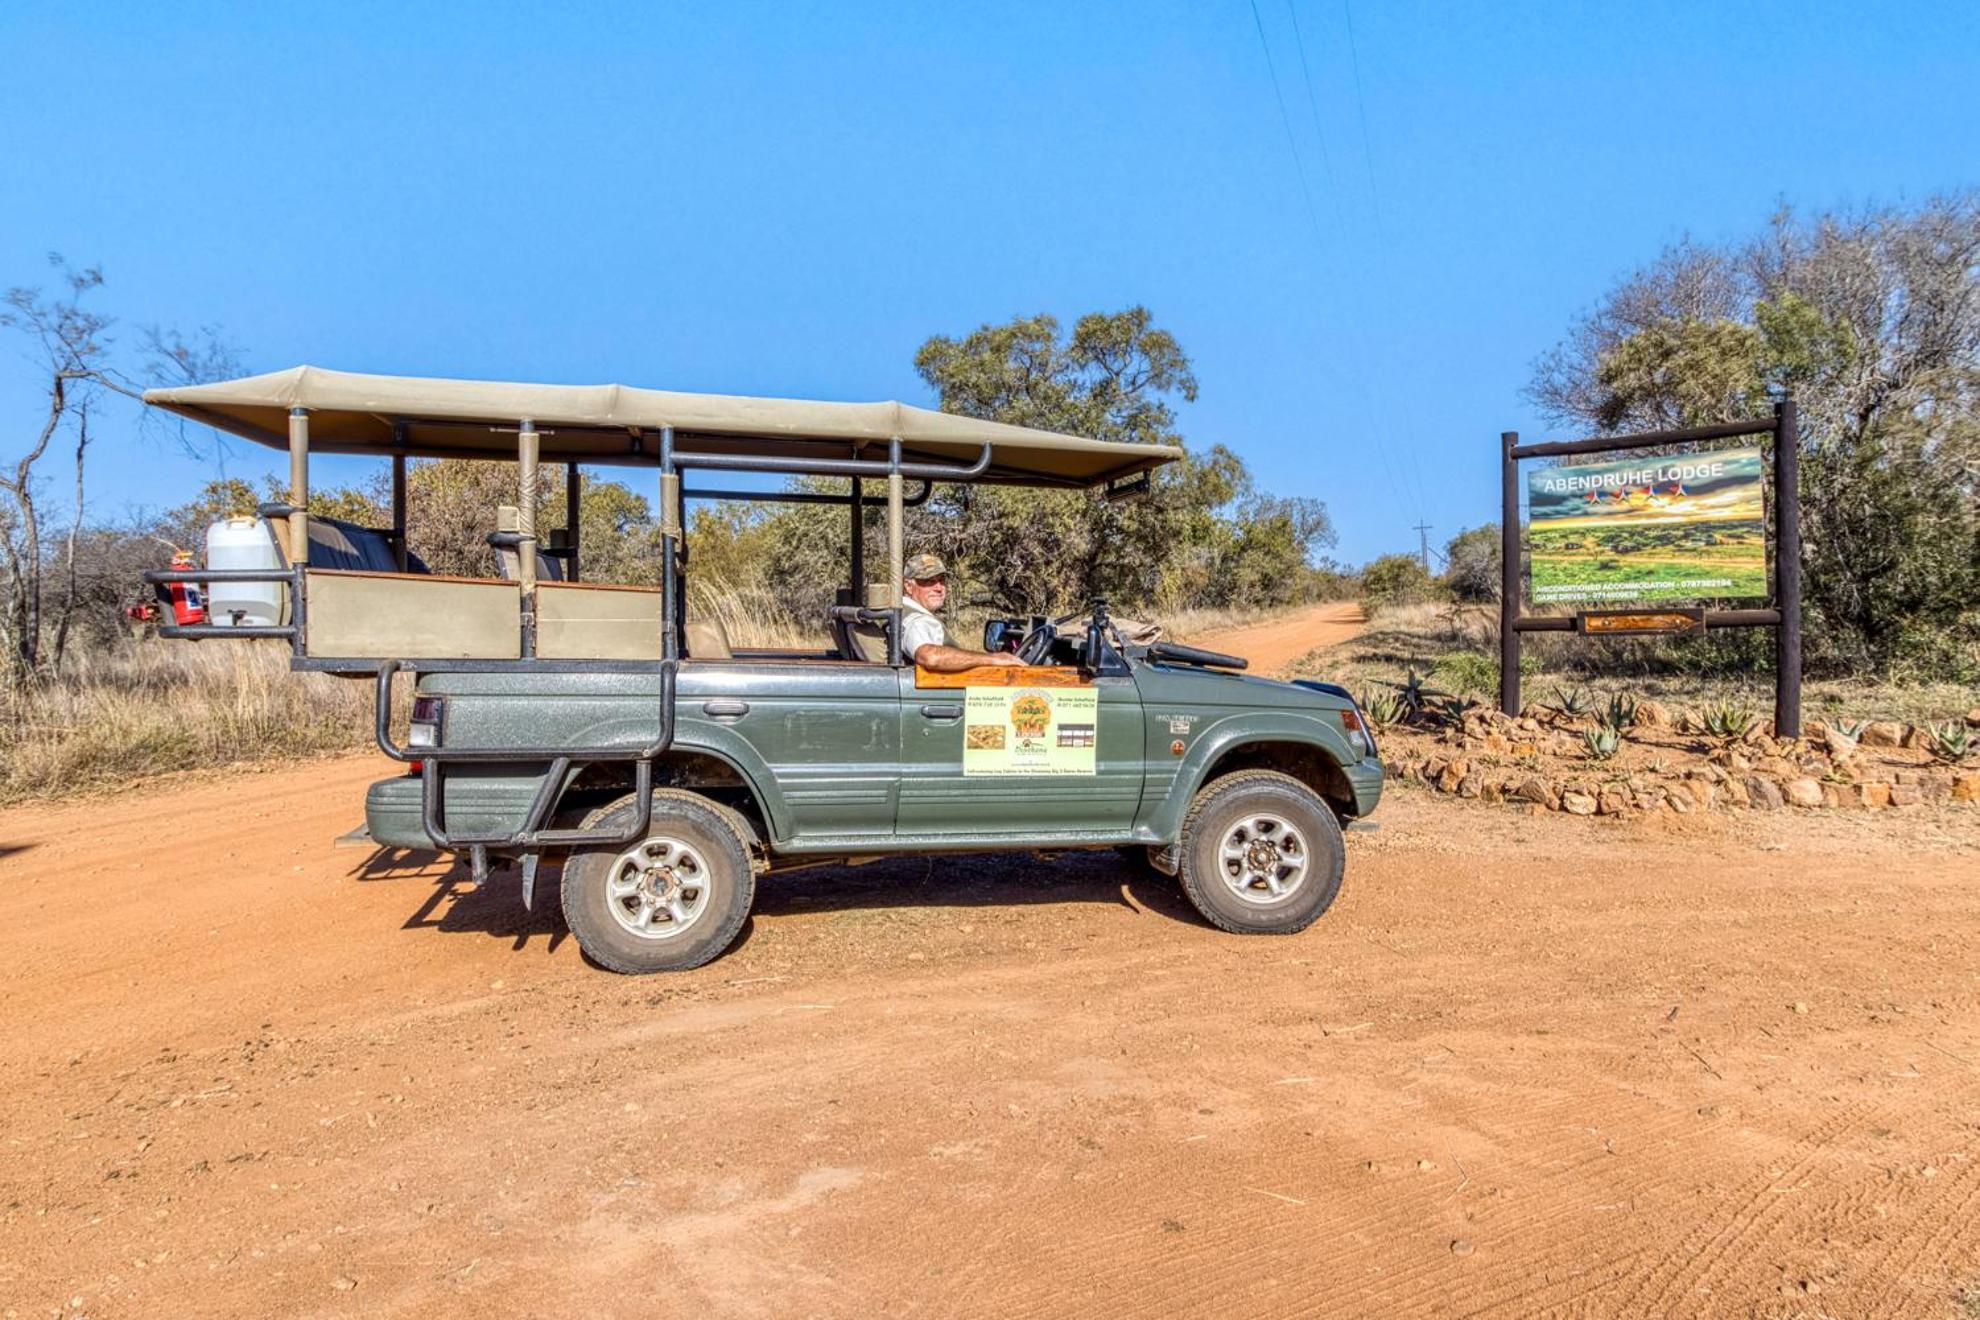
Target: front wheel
666,903
1261,854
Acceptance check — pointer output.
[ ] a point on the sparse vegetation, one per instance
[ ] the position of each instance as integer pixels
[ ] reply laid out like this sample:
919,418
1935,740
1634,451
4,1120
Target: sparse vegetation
1472,673
1951,742
1573,702
1727,720
1620,715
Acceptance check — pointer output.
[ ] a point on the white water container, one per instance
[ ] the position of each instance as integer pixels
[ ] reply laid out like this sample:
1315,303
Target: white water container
243,543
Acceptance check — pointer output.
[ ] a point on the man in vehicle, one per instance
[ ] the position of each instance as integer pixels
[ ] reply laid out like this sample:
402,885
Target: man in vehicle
923,638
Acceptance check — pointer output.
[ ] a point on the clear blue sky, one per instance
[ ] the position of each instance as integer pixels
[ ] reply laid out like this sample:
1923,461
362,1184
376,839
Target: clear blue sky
788,198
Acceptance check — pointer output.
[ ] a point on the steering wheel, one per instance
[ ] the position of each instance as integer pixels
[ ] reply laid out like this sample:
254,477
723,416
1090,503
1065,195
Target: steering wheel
1037,644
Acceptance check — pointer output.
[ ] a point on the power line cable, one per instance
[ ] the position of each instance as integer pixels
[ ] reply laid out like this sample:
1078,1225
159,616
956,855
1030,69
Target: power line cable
1286,120
1312,213
1375,201
1313,108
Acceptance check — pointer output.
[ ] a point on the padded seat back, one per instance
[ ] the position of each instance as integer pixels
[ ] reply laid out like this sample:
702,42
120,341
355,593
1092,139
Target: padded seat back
707,639
334,543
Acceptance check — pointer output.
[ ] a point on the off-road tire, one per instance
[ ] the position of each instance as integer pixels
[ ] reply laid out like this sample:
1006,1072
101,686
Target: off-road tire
1225,802
719,838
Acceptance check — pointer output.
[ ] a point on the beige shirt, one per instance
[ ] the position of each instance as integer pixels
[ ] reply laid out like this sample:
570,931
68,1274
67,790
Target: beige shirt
919,628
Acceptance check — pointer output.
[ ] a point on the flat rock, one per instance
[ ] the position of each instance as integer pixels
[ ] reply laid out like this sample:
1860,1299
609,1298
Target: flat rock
1763,793
1883,733
1803,792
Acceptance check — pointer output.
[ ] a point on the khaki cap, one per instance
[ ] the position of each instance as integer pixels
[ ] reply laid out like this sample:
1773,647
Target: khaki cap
924,568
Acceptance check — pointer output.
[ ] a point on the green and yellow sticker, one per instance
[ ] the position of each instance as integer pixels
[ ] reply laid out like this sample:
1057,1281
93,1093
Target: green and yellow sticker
1030,731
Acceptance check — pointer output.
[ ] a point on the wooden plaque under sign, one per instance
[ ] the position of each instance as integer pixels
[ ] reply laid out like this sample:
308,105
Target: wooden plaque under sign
1605,623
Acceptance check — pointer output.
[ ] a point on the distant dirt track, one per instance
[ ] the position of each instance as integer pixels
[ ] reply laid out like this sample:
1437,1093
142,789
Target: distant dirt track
1525,1065
1273,645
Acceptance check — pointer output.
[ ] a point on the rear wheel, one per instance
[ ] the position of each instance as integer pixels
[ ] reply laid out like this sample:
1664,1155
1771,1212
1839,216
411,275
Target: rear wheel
671,901
1261,854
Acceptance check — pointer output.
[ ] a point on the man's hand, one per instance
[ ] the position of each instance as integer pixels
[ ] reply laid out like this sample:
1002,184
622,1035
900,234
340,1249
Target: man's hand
1003,659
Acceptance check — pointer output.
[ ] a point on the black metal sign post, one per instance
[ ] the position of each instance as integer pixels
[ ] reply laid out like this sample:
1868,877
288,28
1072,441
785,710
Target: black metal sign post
1784,617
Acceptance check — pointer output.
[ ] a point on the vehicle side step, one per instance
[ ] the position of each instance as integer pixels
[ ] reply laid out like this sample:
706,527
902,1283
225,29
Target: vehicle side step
357,838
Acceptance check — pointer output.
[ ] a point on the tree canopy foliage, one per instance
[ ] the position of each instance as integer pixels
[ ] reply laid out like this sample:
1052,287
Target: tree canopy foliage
1870,319
1204,535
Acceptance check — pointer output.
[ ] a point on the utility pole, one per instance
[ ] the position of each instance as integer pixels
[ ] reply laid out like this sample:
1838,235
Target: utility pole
1423,537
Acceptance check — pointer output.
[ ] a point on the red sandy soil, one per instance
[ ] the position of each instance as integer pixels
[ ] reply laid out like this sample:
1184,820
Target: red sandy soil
1273,645
1525,1065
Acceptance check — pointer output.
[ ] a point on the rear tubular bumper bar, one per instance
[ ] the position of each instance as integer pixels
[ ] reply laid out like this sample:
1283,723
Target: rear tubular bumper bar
533,834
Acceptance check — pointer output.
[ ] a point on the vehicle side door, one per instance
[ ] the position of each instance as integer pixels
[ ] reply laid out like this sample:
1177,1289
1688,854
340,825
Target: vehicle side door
1085,776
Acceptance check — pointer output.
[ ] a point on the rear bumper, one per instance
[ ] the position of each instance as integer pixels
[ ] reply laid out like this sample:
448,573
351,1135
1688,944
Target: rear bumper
486,802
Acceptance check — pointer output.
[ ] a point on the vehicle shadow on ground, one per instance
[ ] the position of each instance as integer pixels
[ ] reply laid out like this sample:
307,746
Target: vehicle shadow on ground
1002,879
453,905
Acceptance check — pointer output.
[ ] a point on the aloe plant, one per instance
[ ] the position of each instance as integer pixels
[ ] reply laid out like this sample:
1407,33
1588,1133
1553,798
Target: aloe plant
1414,694
1621,714
1951,742
1382,708
1572,702
1850,729
1728,720
1455,709
1603,742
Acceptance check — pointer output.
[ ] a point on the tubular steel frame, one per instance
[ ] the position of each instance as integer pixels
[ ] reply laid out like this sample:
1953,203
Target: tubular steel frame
1784,616
535,833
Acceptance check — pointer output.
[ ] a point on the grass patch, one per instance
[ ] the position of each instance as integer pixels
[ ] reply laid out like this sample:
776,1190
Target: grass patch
1458,645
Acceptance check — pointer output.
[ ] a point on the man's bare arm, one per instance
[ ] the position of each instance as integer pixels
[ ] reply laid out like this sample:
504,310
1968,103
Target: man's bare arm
940,659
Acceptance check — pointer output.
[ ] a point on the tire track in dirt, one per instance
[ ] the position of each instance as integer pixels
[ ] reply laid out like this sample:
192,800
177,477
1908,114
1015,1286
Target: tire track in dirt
1714,1245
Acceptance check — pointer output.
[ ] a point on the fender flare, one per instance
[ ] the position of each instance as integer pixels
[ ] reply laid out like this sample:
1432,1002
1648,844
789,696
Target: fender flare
1229,734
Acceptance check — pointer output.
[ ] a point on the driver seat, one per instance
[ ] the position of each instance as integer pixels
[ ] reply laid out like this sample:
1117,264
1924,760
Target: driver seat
865,642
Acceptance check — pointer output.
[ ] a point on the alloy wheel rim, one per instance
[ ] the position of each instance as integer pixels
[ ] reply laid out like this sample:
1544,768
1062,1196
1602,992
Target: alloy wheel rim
658,889
1263,859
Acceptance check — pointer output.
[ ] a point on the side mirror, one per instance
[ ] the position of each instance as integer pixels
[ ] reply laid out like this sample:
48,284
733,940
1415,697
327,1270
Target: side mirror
995,634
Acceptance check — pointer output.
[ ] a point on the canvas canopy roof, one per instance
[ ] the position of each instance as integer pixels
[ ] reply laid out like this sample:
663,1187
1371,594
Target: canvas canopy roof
618,424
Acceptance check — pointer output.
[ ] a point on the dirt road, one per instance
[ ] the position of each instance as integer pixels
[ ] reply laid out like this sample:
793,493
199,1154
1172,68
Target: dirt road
1525,1065
1274,644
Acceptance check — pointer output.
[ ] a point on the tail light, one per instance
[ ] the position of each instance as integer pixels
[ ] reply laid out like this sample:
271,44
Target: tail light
428,714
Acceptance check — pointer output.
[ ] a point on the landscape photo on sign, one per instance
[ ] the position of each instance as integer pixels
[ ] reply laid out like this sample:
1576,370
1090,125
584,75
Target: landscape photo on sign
1673,527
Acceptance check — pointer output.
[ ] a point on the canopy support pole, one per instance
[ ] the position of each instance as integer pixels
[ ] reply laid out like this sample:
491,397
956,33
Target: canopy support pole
299,486
670,535
528,449
399,498
572,504
858,546
896,549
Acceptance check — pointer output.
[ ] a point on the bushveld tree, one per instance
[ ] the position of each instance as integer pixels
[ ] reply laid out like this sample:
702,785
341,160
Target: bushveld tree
1204,535
1393,580
74,355
1871,319
1471,563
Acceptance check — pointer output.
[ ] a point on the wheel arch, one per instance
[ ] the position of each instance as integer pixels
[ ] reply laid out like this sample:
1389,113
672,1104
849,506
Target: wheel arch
1306,754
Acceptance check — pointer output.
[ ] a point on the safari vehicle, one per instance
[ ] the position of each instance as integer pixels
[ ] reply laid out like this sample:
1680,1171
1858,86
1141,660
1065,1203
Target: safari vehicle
555,716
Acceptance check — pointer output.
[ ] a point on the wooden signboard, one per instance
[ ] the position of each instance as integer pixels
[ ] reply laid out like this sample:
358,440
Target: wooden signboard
1609,623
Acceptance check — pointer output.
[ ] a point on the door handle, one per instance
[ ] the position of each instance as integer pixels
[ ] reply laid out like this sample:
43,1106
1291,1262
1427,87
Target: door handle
943,711
725,709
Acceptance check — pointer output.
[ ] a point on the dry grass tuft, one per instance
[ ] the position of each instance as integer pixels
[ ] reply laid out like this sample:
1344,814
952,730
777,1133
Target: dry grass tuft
159,706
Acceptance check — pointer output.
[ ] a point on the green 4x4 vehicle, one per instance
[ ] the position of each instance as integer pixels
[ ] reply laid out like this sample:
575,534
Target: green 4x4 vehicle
552,716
